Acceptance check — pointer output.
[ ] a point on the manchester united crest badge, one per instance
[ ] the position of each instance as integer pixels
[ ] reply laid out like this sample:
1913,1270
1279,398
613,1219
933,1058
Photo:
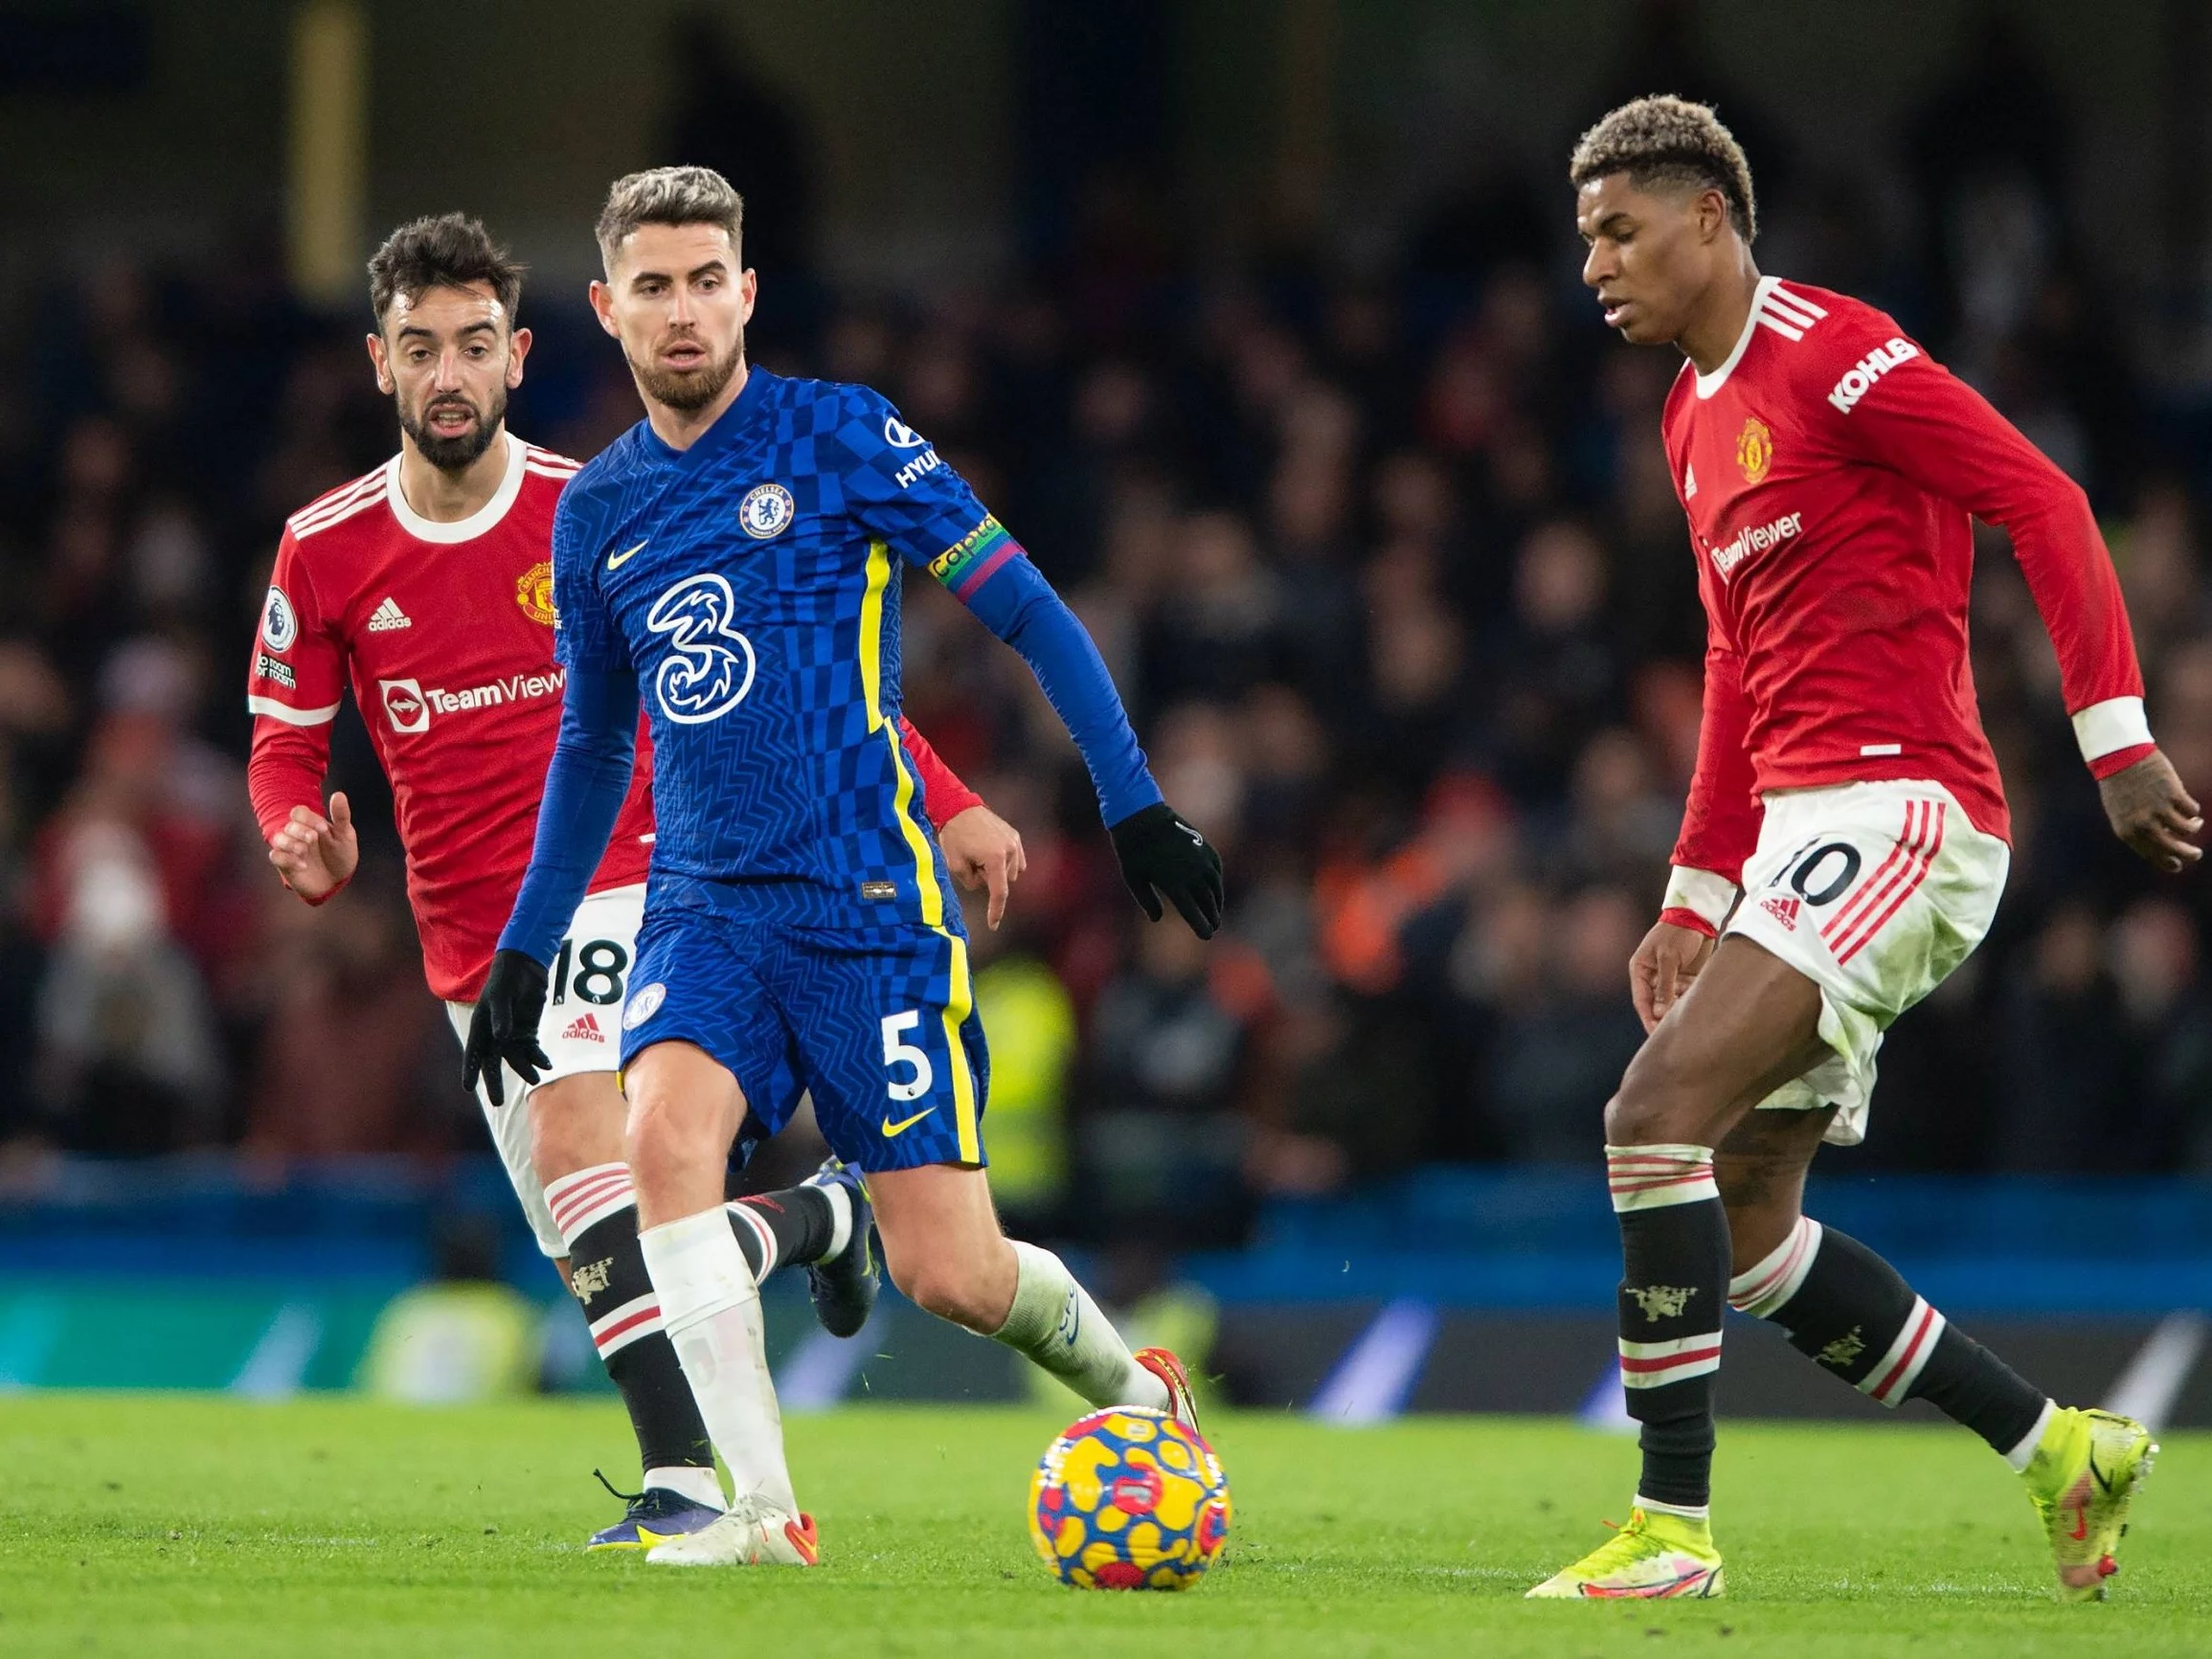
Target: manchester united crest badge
534,592
1754,450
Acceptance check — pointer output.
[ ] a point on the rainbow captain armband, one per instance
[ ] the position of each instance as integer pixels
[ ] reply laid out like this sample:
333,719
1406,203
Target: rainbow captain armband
975,558
1699,900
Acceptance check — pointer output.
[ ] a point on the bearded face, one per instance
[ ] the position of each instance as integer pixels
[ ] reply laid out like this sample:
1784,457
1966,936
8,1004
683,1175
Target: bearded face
450,356
683,373
449,428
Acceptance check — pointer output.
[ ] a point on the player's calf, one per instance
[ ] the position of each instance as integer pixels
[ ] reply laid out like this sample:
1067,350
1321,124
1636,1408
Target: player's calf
710,1299
1674,1240
1849,1312
598,1216
943,1246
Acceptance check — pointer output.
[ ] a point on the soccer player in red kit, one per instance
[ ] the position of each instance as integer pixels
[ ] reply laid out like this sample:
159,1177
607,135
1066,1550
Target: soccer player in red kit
1846,840
427,585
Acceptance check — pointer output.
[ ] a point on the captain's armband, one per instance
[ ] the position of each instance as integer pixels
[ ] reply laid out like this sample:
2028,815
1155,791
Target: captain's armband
975,558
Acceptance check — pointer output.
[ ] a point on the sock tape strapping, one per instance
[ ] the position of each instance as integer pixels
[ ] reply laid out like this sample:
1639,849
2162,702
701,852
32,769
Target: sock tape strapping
696,1268
1651,1177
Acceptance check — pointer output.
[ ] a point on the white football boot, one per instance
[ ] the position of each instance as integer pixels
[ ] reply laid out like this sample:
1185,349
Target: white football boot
749,1535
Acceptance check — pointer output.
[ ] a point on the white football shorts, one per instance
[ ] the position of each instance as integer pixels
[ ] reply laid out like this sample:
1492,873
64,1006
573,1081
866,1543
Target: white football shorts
580,1031
1875,892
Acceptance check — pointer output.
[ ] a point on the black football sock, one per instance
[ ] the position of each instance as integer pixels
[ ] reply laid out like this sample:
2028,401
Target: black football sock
1674,1245
786,1228
598,1216
1850,1312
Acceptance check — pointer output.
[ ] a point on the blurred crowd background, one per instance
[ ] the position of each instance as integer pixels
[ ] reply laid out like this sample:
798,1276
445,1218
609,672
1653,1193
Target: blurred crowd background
1375,532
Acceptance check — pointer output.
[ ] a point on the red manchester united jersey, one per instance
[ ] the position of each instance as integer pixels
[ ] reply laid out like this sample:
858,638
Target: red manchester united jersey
445,633
1830,470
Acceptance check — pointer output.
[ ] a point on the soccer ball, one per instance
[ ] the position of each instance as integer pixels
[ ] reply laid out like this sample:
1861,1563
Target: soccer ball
1129,1499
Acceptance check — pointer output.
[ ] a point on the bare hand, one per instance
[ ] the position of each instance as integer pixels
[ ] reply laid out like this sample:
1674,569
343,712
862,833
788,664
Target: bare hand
2153,814
1663,968
983,850
317,854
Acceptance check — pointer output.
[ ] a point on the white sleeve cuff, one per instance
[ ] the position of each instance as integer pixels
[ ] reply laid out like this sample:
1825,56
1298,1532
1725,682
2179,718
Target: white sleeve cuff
290,715
1706,893
2115,724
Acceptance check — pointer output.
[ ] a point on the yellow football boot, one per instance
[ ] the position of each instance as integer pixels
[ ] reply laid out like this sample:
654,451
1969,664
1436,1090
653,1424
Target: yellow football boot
1656,1554
2085,1472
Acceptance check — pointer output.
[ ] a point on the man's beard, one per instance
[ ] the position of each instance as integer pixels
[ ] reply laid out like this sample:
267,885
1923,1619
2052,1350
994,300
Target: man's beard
689,389
458,453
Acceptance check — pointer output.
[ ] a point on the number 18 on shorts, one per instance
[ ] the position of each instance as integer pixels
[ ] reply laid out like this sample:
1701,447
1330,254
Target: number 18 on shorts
879,1023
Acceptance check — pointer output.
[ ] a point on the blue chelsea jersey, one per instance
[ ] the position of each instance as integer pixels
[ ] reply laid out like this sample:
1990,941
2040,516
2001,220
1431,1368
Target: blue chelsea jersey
750,584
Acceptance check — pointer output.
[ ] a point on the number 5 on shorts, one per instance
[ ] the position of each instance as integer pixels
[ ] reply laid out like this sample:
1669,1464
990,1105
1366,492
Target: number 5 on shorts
897,1052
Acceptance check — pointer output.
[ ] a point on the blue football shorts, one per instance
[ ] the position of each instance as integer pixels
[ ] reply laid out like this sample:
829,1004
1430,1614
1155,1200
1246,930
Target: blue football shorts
877,1023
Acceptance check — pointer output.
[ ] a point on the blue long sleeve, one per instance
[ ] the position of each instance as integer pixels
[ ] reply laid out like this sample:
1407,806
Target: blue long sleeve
1017,604
584,789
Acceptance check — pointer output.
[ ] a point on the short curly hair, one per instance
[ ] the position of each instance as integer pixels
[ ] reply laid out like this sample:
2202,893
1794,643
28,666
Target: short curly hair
1669,140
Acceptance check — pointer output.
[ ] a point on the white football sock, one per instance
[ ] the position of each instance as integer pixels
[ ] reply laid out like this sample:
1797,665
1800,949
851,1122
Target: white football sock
2024,1454
702,1485
711,1308
1702,1513
841,1218
1056,1324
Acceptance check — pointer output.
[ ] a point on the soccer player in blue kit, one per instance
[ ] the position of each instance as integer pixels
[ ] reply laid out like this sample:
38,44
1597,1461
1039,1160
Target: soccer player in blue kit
731,562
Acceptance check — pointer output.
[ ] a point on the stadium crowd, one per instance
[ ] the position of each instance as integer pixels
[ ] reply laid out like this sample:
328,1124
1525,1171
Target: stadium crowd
1394,579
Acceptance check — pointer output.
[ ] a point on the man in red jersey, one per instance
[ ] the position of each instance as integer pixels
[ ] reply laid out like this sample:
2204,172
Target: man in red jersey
1845,840
427,585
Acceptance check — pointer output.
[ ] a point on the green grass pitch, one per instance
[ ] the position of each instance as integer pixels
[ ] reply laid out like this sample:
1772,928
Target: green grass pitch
157,1525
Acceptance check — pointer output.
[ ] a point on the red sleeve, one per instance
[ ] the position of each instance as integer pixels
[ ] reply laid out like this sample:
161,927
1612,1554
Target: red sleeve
293,685
1901,409
1720,821
944,796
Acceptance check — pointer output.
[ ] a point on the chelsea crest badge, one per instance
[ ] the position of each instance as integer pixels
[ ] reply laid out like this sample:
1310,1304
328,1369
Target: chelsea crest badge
766,510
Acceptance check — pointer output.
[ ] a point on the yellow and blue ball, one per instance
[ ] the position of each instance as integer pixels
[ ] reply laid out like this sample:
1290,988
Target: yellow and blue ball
1129,1499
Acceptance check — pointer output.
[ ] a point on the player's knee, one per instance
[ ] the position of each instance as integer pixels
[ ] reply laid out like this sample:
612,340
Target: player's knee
944,1285
662,1142
575,1125
1656,1104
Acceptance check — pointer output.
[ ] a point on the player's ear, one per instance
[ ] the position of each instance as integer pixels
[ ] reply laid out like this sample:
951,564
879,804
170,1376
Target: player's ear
748,293
603,304
1712,214
517,348
381,363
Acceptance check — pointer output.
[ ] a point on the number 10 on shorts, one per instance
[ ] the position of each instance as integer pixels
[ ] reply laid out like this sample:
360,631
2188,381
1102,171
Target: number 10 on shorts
897,1052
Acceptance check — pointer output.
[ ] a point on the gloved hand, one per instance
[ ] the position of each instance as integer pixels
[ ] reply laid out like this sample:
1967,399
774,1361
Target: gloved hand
1164,857
504,1027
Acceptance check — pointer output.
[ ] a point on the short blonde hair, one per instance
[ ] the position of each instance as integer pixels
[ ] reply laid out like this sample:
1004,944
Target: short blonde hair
668,196
1669,140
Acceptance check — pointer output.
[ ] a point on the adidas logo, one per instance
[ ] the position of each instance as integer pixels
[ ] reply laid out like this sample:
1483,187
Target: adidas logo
389,616
1783,910
583,1029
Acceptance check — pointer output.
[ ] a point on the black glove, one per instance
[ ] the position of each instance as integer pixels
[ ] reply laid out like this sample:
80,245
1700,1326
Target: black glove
1164,857
504,1027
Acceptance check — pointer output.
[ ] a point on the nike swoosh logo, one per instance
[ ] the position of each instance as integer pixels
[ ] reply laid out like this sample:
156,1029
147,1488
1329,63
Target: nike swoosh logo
904,1124
616,561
